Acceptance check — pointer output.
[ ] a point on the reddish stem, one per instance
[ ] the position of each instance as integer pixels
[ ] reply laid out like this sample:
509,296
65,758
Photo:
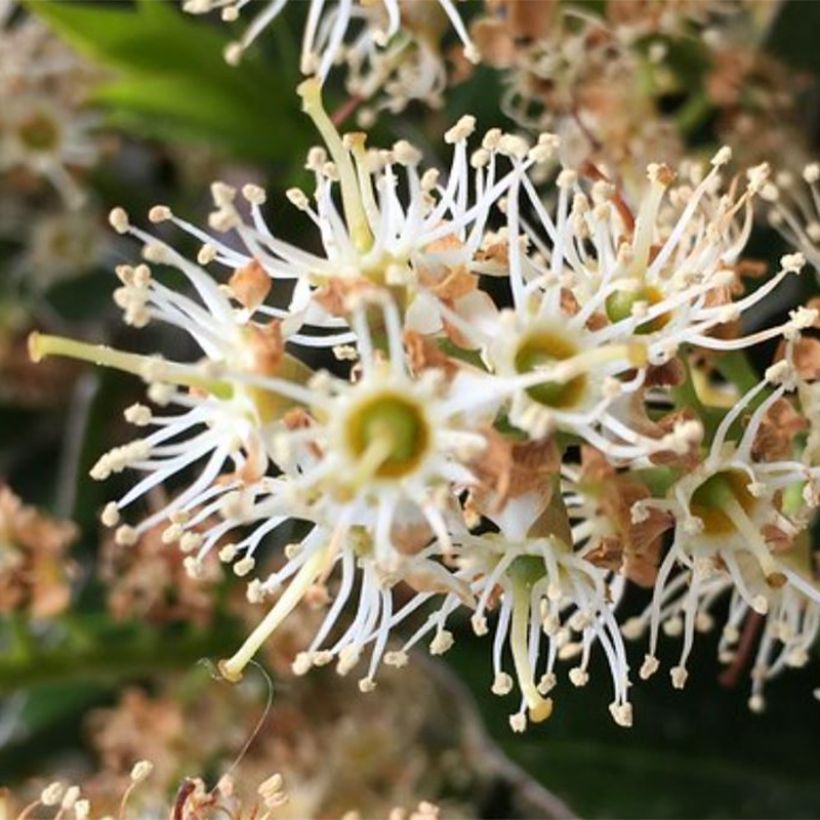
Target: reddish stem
346,109
751,627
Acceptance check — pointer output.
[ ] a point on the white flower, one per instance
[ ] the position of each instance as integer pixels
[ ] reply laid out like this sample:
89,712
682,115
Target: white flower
795,210
44,136
415,241
44,126
326,27
656,275
726,512
598,294
377,466
547,590
224,398
63,244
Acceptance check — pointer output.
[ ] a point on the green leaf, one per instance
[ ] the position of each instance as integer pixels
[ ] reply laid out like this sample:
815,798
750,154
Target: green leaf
695,753
174,108
50,721
171,80
793,35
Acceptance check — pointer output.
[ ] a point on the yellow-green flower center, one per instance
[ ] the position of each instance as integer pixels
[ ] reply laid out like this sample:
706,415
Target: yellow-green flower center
542,349
711,497
527,570
390,429
39,133
619,306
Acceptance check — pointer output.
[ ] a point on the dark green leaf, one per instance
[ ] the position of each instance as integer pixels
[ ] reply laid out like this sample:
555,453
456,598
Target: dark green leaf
171,79
696,753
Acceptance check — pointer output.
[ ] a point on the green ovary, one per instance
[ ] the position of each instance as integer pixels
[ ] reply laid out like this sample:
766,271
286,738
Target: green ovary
543,349
527,570
619,306
713,494
396,424
39,133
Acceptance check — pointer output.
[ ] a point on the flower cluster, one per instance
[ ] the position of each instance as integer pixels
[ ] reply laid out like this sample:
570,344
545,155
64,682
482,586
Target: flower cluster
612,83
49,139
193,800
390,46
35,572
349,755
45,130
520,407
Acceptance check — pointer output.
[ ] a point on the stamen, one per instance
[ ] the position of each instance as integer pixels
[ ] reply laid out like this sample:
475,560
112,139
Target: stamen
311,93
540,708
232,668
751,532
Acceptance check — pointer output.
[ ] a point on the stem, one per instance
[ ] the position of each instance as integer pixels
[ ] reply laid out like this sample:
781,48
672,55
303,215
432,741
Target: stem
146,367
346,109
736,368
694,113
751,628
685,396
114,659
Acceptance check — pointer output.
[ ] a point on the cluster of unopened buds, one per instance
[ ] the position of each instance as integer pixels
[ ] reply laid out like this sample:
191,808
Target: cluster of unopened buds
520,409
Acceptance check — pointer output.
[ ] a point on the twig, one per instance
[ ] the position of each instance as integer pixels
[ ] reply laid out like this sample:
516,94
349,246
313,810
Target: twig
346,109
751,627
79,412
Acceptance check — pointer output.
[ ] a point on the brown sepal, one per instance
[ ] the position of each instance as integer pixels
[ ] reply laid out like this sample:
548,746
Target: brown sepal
250,285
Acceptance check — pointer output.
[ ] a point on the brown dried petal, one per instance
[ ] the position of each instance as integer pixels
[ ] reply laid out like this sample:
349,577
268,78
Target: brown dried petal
424,354
411,537
751,268
807,358
669,374
333,296
497,253
569,304
524,19
250,285
508,469
494,42
814,304
594,465
607,553
775,437
266,346
777,539
688,460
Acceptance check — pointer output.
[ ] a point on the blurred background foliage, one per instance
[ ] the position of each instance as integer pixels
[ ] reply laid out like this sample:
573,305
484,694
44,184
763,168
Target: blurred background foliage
177,117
